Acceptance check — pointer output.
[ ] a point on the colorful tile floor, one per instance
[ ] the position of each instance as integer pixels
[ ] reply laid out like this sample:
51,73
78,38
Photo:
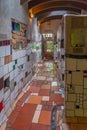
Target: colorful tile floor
34,110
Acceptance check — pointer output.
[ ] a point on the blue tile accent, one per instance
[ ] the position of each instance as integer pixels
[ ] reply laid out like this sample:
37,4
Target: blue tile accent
53,116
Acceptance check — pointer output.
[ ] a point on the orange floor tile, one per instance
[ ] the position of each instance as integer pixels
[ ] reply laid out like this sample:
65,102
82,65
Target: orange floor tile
35,99
45,118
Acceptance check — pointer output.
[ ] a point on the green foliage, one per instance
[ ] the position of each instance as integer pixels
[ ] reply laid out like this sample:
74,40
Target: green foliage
51,46
35,46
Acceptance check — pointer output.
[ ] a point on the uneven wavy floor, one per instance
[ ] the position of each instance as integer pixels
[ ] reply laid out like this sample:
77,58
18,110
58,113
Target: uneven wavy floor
33,110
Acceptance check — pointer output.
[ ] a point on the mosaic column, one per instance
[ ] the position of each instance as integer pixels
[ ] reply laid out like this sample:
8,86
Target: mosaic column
75,67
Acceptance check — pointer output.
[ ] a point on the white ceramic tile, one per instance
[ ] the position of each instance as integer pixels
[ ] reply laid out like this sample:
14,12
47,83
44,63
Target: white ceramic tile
2,113
14,55
6,94
7,105
54,83
6,69
2,51
7,50
45,98
1,71
1,61
6,76
1,94
34,94
11,75
10,66
39,107
36,117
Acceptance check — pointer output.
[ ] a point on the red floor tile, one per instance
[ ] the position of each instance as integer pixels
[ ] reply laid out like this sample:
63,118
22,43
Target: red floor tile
22,122
54,88
34,89
44,92
38,127
45,118
57,128
56,97
49,128
47,107
28,109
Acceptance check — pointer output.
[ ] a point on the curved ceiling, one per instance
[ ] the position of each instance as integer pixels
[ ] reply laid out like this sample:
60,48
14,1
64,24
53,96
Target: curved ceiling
40,7
53,15
56,5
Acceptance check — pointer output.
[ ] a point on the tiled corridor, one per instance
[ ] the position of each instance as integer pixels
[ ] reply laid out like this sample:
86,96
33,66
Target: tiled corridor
33,110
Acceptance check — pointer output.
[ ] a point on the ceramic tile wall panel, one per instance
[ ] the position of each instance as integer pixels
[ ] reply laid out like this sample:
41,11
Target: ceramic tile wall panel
2,113
7,103
15,72
6,94
85,82
71,97
10,66
14,55
19,85
12,97
79,89
68,78
82,64
11,75
6,69
12,85
1,71
70,113
25,59
79,112
1,83
85,112
18,54
24,67
77,77
6,59
70,64
70,105
62,51
7,50
16,91
1,61
20,61
85,91
10,58
1,94
2,51
6,76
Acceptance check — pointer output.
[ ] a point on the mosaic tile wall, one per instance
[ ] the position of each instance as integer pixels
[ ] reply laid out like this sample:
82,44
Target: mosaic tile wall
16,70
76,67
76,87
19,39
